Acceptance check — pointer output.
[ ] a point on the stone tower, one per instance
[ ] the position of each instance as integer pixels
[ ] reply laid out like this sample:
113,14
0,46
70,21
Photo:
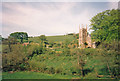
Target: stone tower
82,36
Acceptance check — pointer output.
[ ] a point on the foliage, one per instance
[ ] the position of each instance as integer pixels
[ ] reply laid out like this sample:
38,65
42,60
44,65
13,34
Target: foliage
51,43
70,34
11,61
50,51
76,36
42,38
105,26
66,50
19,35
85,44
52,63
10,41
114,45
70,62
1,39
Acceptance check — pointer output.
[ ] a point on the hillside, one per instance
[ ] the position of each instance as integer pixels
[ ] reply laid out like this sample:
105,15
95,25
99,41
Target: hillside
60,66
54,38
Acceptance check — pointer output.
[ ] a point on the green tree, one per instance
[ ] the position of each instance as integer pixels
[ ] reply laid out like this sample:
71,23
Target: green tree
20,35
0,39
9,41
42,38
105,26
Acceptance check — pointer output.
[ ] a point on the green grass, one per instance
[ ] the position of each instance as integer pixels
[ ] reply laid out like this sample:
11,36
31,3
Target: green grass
35,75
68,64
53,38
0,75
60,38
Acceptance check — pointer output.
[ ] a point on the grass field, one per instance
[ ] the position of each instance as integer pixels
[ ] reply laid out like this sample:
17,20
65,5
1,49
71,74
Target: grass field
48,65
67,64
36,75
53,38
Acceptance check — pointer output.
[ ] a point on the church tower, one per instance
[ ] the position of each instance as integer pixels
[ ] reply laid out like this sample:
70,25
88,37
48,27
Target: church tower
82,36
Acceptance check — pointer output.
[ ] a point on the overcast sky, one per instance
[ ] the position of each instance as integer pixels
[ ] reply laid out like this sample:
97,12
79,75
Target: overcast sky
49,18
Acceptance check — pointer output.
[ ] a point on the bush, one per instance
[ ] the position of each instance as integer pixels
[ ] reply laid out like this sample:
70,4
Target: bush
12,60
52,70
70,34
114,45
58,70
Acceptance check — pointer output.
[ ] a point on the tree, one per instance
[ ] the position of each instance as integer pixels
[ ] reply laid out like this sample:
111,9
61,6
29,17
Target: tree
105,26
42,38
0,39
20,35
9,41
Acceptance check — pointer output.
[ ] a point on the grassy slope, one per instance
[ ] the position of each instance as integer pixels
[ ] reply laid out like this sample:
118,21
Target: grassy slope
67,64
53,38
35,75
94,62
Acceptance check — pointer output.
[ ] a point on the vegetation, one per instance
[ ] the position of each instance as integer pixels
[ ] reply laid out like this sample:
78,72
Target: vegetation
36,75
58,57
77,63
105,26
19,35
59,38
42,38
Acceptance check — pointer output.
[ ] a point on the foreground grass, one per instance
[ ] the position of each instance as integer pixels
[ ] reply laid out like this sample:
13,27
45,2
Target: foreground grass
0,75
36,75
45,66
95,63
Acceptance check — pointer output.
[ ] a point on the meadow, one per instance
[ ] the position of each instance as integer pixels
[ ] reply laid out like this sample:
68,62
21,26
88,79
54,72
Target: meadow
58,38
50,64
62,59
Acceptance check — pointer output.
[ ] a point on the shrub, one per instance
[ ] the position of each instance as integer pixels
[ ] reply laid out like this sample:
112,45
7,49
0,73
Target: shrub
58,70
52,70
66,51
12,60
114,45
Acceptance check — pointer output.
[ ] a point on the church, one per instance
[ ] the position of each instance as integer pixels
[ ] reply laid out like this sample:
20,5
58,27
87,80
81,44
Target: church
85,38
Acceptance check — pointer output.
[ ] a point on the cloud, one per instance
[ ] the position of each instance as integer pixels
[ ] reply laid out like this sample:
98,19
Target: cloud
60,0
113,5
47,18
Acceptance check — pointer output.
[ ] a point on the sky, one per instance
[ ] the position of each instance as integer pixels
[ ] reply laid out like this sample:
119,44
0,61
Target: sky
49,18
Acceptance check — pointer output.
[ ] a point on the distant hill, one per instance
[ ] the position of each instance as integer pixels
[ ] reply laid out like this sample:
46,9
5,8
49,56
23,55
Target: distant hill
54,38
